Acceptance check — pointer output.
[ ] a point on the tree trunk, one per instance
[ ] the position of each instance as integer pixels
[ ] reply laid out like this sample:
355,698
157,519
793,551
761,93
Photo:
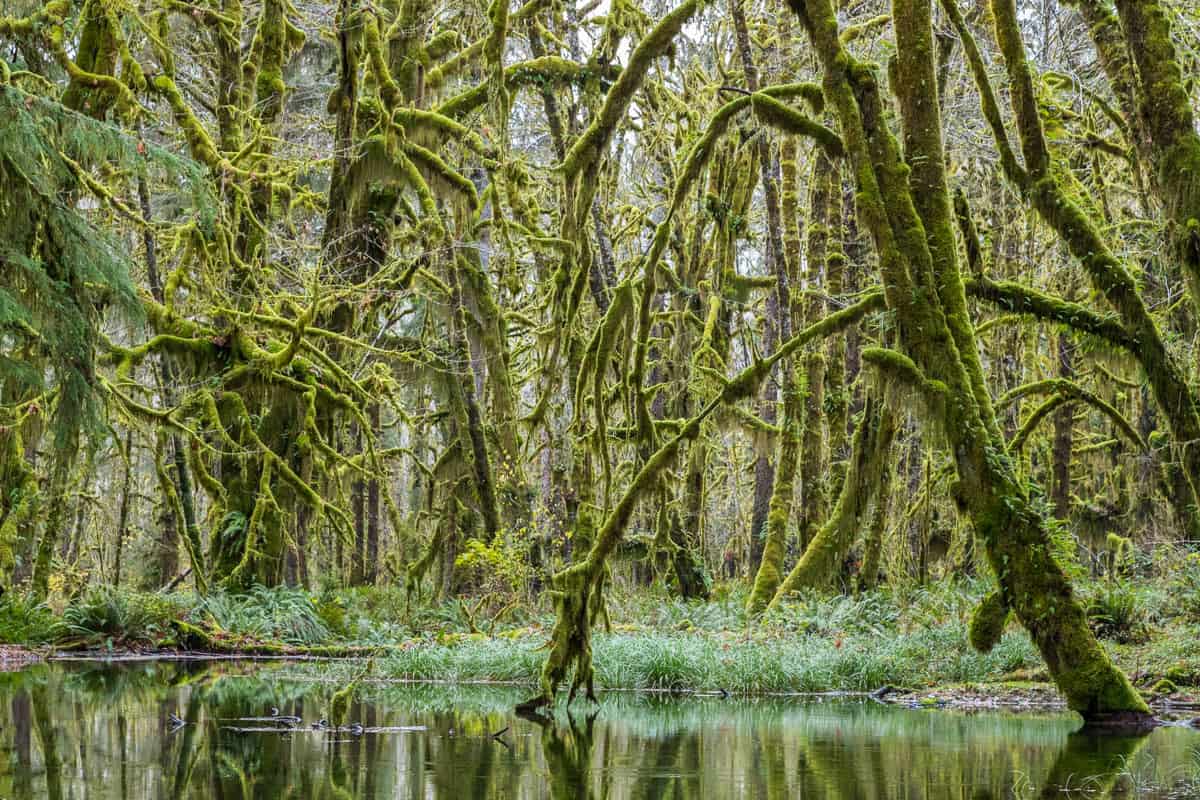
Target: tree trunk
905,202
371,569
1064,421
123,512
822,559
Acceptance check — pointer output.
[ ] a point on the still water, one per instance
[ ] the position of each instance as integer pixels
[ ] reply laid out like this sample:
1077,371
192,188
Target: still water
90,730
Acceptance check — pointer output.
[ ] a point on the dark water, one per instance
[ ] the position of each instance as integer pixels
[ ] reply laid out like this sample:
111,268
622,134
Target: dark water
86,730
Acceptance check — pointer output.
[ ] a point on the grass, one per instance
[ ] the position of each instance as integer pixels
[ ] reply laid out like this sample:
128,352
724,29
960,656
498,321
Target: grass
23,621
284,615
768,662
914,638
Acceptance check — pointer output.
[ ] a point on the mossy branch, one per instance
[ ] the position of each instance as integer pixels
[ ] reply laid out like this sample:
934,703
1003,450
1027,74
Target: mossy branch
592,142
1071,392
787,119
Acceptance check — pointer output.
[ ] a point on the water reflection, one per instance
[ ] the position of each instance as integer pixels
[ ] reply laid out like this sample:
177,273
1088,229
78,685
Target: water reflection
91,731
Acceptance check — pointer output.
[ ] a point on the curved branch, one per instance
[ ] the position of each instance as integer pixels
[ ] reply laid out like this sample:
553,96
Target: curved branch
1069,391
1021,299
591,143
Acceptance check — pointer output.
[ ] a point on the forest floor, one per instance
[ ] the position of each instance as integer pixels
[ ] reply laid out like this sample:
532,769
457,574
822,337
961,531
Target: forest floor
913,640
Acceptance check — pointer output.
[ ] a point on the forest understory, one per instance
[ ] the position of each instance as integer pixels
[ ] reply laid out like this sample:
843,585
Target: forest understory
913,645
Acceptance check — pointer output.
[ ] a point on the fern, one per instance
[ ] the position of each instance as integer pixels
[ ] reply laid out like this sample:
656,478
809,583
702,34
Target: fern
59,272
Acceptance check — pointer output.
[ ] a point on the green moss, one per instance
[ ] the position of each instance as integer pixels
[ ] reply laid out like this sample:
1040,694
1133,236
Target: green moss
789,120
770,568
988,622
819,566
587,149
920,290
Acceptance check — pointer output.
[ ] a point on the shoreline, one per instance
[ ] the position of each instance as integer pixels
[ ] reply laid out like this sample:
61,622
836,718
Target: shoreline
1180,707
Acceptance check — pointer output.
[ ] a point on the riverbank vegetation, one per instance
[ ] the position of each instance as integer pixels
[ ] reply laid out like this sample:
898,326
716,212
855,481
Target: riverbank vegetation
914,639
602,340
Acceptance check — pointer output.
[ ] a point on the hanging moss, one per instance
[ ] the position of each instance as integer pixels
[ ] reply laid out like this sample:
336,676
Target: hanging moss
1014,535
770,566
591,143
814,484
1068,391
988,621
1078,232
820,564
1170,136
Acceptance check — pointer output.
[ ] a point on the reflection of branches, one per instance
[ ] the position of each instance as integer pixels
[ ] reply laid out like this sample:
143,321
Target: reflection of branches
48,740
186,760
1091,763
568,752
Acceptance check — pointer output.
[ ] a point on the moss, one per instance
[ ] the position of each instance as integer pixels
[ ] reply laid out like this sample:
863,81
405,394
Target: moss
789,120
21,500
1014,535
1163,686
577,589
543,72
901,369
988,621
587,149
819,566
1165,109
814,485
1120,554
95,55
1085,242
1079,318
201,145
770,567
339,704
1065,391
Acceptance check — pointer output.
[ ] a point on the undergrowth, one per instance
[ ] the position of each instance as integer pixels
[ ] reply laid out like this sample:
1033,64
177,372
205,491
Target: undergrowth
24,621
281,614
812,642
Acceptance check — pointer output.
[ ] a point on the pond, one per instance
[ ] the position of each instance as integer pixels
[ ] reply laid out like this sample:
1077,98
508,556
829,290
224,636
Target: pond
103,730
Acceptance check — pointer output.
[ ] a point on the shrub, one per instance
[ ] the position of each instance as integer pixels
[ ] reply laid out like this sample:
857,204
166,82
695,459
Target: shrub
114,617
25,621
500,568
1185,588
279,614
1117,613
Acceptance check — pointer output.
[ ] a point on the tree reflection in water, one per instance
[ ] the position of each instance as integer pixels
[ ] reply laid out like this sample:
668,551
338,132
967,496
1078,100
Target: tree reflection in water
95,731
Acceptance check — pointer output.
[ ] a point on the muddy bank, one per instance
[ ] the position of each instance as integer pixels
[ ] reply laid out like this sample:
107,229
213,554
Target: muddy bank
13,657
1171,704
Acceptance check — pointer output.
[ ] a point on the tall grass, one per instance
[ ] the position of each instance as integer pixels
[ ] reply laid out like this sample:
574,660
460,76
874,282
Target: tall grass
766,663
